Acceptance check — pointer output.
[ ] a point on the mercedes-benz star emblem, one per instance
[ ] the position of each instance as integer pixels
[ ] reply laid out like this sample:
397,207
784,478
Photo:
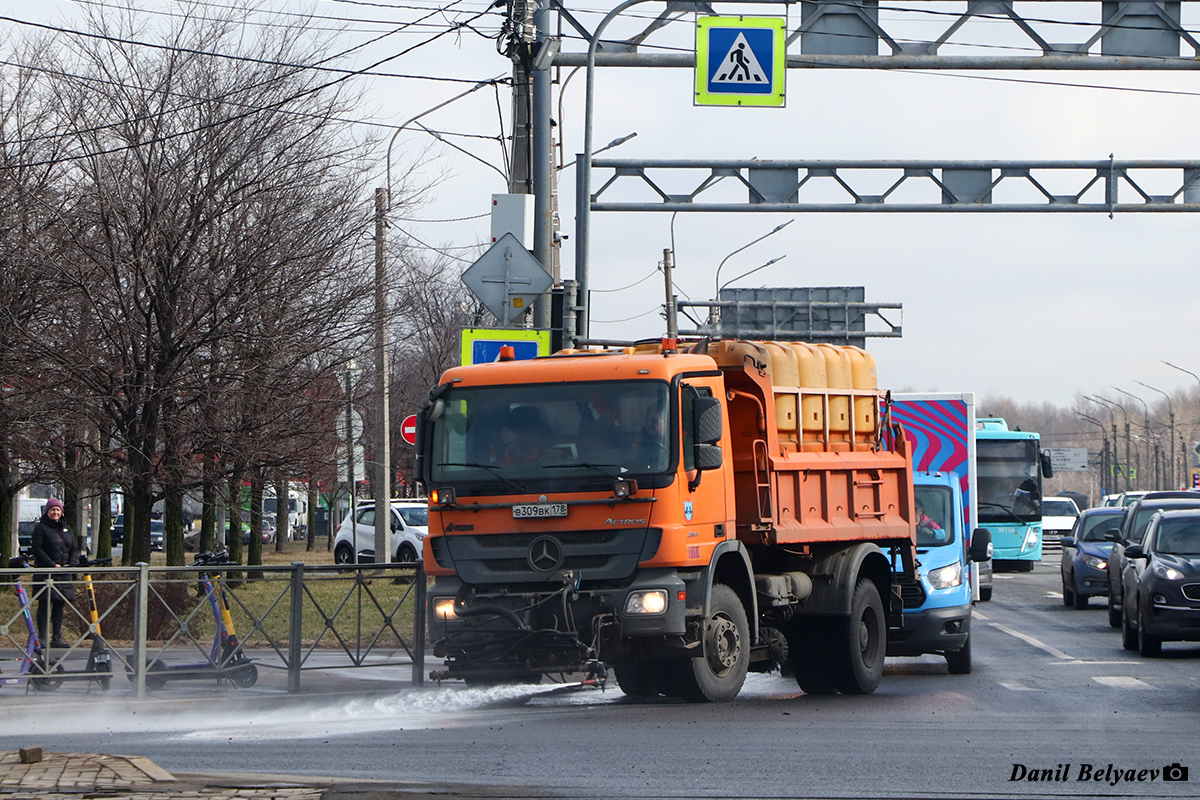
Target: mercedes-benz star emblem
545,554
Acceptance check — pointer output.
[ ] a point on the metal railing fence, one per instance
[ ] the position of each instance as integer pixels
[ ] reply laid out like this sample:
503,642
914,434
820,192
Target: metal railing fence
155,625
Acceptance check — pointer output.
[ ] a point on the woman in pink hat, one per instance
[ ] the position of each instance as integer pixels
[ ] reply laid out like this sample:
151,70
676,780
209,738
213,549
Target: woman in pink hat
54,546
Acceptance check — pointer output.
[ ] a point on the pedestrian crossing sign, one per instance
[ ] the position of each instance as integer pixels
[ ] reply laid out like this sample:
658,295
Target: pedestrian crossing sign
740,61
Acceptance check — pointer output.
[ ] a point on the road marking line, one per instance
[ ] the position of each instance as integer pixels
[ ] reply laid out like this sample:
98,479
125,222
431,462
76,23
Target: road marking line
1085,661
1057,595
1030,640
1016,687
975,612
1122,682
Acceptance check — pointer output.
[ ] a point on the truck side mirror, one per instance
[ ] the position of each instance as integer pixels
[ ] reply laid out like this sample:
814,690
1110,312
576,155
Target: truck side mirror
708,456
707,416
981,544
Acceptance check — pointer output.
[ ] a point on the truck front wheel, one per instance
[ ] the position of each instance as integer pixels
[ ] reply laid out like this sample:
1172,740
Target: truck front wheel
717,675
639,678
859,656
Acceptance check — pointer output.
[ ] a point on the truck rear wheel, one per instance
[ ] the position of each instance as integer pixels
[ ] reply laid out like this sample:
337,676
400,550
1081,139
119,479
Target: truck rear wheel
858,657
717,675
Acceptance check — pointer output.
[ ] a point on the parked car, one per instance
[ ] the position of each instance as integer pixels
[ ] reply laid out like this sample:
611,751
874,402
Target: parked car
355,539
1085,552
268,528
117,535
157,533
1162,584
1058,519
1133,527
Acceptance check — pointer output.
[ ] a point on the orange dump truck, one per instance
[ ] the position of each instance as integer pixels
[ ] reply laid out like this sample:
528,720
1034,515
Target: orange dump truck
678,512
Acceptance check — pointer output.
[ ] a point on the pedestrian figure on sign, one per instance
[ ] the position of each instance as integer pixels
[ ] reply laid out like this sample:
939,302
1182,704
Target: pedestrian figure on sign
740,64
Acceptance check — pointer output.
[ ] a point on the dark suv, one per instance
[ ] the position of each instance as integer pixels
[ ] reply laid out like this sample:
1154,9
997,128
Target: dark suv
1162,584
1133,527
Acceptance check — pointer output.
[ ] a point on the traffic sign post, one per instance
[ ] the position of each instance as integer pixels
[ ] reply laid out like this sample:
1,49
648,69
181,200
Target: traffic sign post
507,279
740,61
408,429
482,345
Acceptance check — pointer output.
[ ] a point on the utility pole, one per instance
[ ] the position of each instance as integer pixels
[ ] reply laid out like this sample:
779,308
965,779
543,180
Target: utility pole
672,329
383,449
531,50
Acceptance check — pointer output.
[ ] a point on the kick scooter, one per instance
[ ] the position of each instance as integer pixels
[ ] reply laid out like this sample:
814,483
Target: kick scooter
33,671
226,661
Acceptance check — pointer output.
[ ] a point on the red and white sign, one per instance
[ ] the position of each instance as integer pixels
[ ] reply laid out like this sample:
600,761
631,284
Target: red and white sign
408,429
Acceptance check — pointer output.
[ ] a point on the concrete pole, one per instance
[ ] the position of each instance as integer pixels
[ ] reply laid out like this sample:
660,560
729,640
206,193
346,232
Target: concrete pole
383,450
542,156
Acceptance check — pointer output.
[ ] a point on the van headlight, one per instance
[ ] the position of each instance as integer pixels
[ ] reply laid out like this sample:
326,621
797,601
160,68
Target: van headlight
945,577
649,602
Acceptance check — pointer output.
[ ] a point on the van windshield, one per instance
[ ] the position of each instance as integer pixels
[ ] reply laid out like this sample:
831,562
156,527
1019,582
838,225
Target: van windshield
936,526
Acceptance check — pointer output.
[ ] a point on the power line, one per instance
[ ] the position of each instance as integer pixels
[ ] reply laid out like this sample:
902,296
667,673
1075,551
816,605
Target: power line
273,107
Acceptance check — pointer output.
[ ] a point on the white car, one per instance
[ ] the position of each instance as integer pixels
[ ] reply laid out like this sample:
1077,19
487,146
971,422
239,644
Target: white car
1058,520
410,521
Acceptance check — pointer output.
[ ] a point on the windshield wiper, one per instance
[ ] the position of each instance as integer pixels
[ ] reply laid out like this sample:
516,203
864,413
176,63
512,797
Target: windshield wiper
1007,509
516,487
603,469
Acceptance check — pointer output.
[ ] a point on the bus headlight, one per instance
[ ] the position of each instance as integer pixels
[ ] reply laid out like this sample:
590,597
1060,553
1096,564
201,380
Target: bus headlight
1031,539
653,601
945,577
443,608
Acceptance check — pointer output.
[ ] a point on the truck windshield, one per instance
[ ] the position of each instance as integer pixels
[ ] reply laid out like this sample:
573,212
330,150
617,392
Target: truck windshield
551,437
935,516
1010,482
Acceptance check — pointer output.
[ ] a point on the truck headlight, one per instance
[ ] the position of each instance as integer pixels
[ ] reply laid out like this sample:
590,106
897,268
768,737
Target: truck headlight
945,577
653,601
443,608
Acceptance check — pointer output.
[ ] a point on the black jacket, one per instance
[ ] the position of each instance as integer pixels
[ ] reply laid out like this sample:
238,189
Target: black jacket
54,544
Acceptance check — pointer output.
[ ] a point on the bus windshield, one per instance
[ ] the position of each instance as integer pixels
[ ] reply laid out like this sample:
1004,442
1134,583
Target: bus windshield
551,437
1010,480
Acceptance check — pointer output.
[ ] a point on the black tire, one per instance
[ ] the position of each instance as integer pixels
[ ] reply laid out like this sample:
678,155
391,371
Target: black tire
1149,645
1128,634
405,554
809,651
959,663
1114,612
1068,595
1081,601
343,554
717,674
245,676
862,644
985,594
105,675
47,683
639,678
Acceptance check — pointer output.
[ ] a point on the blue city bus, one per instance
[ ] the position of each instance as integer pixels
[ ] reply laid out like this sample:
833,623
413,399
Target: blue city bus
1010,471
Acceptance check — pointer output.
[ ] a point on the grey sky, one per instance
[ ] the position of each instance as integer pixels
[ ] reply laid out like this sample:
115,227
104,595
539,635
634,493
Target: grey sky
1034,306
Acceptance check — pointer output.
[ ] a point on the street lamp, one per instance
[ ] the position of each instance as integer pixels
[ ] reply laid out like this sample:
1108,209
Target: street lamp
1146,412
1104,471
1108,404
718,286
1171,414
1183,448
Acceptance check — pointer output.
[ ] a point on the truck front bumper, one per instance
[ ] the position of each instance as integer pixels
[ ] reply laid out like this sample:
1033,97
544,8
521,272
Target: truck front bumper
548,629
932,630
